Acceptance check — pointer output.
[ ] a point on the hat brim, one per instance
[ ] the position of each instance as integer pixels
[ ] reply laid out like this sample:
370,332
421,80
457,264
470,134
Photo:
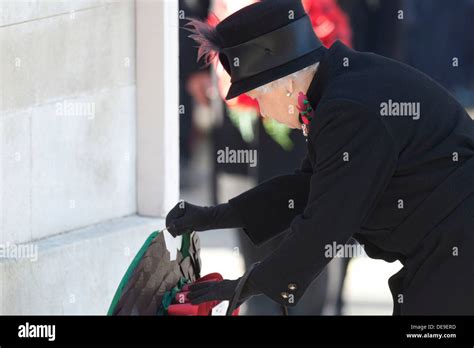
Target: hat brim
240,87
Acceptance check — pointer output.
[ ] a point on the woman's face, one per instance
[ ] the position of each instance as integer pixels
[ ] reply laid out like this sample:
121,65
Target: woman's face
277,105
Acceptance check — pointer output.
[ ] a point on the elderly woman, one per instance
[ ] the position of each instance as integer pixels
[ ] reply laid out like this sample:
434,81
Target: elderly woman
390,163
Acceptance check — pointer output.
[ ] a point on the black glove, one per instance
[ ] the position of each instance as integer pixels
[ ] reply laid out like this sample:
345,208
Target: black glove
221,291
186,218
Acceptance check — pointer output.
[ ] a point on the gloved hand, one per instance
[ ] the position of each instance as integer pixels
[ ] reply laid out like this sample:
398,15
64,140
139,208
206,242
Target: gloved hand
186,218
221,291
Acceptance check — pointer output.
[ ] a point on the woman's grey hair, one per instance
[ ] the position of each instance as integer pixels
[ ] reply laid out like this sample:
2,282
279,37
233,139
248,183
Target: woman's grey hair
282,81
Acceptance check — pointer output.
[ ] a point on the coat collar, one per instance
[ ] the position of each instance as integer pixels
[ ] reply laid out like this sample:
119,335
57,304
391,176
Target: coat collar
327,66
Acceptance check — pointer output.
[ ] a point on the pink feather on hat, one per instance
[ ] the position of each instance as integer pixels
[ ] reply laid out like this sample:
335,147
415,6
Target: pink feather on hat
207,37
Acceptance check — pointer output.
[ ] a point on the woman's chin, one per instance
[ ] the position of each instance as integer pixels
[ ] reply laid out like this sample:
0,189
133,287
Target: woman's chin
293,126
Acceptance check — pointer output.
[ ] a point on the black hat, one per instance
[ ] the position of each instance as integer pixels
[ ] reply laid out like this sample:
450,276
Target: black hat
260,43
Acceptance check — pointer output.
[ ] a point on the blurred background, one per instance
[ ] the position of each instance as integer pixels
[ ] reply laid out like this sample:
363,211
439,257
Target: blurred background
427,34
107,120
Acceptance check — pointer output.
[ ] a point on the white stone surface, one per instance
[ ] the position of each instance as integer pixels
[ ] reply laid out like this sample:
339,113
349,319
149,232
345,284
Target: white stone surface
157,106
68,116
15,188
62,172
54,58
17,11
76,272
68,147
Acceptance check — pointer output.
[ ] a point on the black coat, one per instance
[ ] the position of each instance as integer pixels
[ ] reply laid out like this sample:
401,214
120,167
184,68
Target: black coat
401,185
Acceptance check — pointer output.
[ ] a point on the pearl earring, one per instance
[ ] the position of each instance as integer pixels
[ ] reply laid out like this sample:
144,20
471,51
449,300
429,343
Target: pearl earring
289,94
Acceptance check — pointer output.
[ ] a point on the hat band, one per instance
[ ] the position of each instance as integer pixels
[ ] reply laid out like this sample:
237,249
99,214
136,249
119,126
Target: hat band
272,50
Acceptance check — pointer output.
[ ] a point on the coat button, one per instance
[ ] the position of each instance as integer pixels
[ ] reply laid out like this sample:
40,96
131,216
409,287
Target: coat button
292,287
285,295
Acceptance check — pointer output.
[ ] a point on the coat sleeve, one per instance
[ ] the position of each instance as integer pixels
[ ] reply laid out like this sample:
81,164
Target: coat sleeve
355,159
268,209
